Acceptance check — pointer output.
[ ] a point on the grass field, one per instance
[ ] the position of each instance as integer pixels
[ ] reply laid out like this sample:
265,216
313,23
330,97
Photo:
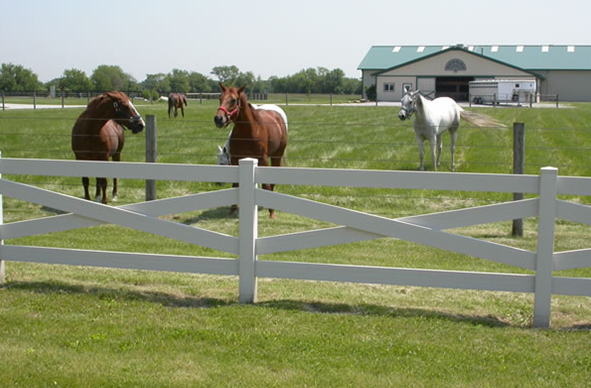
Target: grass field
78,327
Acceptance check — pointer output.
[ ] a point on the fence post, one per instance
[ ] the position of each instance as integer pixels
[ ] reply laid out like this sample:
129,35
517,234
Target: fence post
545,252
34,99
3,108
151,154
518,168
63,99
556,100
286,102
248,231
88,97
2,268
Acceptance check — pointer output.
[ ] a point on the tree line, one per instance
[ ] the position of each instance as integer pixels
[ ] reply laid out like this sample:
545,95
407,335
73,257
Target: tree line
16,78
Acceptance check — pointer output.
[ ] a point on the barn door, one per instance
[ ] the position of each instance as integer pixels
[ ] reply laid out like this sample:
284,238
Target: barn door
426,86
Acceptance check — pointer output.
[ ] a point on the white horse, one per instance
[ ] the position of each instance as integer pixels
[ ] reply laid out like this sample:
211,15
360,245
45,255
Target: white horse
224,155
433,118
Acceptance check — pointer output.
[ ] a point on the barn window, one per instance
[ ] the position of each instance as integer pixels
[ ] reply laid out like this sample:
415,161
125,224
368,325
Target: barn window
455,65
389,87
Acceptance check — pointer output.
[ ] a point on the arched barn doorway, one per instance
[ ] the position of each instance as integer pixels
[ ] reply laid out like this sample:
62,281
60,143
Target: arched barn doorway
454,87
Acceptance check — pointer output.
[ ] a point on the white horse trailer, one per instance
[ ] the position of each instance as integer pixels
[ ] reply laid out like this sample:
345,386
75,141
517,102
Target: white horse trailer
502,90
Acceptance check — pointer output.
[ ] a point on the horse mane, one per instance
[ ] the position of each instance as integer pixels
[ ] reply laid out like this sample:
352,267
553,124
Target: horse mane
95,102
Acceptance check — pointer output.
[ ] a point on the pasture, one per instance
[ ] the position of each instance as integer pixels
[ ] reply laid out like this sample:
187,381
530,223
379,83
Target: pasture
67,326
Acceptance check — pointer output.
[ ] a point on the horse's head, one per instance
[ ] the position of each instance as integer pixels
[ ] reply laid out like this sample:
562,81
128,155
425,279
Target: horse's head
229,105
223,156
124,112
408,104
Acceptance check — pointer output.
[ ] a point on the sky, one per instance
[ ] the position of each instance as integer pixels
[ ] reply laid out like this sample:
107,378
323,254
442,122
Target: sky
266,37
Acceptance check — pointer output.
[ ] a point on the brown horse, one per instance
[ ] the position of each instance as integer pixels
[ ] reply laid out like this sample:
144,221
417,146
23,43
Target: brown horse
258,133
98,134
176,101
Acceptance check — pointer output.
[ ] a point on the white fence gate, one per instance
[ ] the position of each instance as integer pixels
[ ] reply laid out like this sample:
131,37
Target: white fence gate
355,226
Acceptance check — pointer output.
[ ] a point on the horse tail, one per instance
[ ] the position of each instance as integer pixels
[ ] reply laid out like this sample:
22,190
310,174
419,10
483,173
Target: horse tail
480,120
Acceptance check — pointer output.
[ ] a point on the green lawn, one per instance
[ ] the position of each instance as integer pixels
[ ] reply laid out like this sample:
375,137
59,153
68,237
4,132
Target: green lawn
80,327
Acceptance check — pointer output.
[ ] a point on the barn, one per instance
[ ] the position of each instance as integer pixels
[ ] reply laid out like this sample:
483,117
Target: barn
446,70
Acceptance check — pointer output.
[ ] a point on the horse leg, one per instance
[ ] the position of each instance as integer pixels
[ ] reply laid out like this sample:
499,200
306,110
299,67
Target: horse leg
86,183
176,112
267,186
101,187
97,191
421,144
454,136
432,144
182,110
116,158
439,148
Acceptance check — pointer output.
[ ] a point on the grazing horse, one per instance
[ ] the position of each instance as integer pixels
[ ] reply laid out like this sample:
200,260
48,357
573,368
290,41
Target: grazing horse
433,118
176,101
257,133
98,134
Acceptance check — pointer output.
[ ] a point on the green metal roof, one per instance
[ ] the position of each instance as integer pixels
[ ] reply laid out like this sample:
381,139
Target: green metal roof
529,58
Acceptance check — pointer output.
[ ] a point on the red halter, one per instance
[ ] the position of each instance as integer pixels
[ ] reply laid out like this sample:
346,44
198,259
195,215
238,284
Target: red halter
230,116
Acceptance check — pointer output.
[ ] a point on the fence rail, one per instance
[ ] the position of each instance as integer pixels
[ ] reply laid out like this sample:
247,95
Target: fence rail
426,229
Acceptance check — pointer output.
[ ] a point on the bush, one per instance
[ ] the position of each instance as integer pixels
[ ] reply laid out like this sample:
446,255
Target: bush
155,96
370,93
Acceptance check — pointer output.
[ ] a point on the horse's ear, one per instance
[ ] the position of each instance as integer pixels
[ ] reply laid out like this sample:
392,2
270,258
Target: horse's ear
241,89
221,150
223,87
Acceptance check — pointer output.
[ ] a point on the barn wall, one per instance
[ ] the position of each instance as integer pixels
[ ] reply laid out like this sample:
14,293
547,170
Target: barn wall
433,67
569,85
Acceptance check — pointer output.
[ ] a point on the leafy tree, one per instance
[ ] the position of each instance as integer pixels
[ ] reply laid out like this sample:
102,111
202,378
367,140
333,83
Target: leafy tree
75,80
199,83
157,82
258,86
333,81
226,74
15,78
179,81
106,77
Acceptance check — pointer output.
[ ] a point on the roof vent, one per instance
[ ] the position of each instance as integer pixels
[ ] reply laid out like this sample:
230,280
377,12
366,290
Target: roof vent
494,49
570,49
420,49
396,49
545,49
519,49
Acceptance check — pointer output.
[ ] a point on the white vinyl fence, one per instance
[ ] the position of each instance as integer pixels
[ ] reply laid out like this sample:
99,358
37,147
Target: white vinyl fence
355,226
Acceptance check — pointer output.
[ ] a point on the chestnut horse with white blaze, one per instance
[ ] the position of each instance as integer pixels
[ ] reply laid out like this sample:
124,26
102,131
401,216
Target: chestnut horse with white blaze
258,133
98,134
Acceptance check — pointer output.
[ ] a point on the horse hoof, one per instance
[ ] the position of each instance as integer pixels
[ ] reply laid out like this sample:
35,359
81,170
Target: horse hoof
115,198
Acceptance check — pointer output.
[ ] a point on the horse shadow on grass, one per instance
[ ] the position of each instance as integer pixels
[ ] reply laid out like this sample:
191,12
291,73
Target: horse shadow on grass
218,213
180,301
